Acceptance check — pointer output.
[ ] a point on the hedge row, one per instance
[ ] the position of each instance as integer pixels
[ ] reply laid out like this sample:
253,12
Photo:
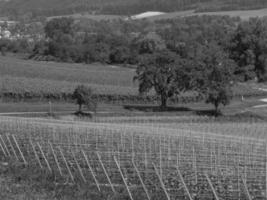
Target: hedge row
103,98
110,98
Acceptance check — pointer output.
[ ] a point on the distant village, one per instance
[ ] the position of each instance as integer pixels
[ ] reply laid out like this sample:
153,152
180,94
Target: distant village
14,30
5,29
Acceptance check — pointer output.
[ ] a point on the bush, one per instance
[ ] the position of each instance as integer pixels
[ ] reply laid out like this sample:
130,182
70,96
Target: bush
84,96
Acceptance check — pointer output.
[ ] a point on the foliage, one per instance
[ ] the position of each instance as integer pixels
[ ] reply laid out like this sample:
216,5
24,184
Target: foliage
213,76
20,45
84,96
59,28
249,49
162,71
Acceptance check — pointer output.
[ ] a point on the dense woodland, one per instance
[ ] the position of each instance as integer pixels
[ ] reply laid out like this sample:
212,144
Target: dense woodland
206,54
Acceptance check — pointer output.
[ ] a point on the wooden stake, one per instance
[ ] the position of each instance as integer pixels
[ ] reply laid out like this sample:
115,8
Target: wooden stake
78,166
183,182
2,148
14,152
46,161
55,157
146,163
36,155
160,158
21,154
66,163
195,164
141,180
91,170
132,140
246,189
161,182
124,181
212,188
106,174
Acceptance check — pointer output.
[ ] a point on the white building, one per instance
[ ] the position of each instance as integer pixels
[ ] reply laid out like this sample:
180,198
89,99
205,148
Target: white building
4,33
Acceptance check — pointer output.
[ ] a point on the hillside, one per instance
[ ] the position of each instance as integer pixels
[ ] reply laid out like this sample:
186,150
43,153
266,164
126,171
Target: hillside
18,8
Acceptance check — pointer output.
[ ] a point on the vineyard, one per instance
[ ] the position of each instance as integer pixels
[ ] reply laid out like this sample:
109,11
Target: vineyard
144,160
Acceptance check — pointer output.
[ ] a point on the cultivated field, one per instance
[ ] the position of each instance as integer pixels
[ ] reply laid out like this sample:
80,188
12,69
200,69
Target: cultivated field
144,160
47,77
38,79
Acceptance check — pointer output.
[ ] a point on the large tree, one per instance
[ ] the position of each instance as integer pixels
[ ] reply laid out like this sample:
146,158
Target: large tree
164,72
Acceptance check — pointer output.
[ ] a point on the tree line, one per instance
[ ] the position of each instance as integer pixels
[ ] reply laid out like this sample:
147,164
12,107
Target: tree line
206,54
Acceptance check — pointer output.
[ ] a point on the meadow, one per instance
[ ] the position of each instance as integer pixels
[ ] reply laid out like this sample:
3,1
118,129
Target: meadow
40,79
243,14
27,79
88,74
143,160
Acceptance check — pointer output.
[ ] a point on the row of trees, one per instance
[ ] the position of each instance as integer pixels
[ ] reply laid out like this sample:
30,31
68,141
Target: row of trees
209,72
121,42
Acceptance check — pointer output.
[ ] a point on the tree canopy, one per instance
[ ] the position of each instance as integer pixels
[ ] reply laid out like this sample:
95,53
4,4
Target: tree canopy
84,96
164,72
249,49
213,75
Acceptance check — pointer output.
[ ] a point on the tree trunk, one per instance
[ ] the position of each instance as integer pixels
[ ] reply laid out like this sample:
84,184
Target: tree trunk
217,110
163,101
80,108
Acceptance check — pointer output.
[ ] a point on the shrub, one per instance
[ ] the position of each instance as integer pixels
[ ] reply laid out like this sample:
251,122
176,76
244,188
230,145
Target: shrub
84,96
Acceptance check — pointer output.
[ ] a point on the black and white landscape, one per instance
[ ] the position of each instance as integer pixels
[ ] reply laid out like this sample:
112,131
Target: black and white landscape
133,100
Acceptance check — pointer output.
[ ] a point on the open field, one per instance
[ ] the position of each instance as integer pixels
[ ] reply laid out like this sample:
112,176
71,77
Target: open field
40,78
27,79
89,16
143,161
243,14
96,74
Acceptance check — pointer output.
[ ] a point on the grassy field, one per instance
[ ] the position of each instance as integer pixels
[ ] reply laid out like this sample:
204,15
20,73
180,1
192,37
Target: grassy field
39,79
91,17
243,14
47,77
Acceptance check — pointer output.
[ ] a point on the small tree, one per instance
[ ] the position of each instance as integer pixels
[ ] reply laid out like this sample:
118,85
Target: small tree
84,96
213,76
